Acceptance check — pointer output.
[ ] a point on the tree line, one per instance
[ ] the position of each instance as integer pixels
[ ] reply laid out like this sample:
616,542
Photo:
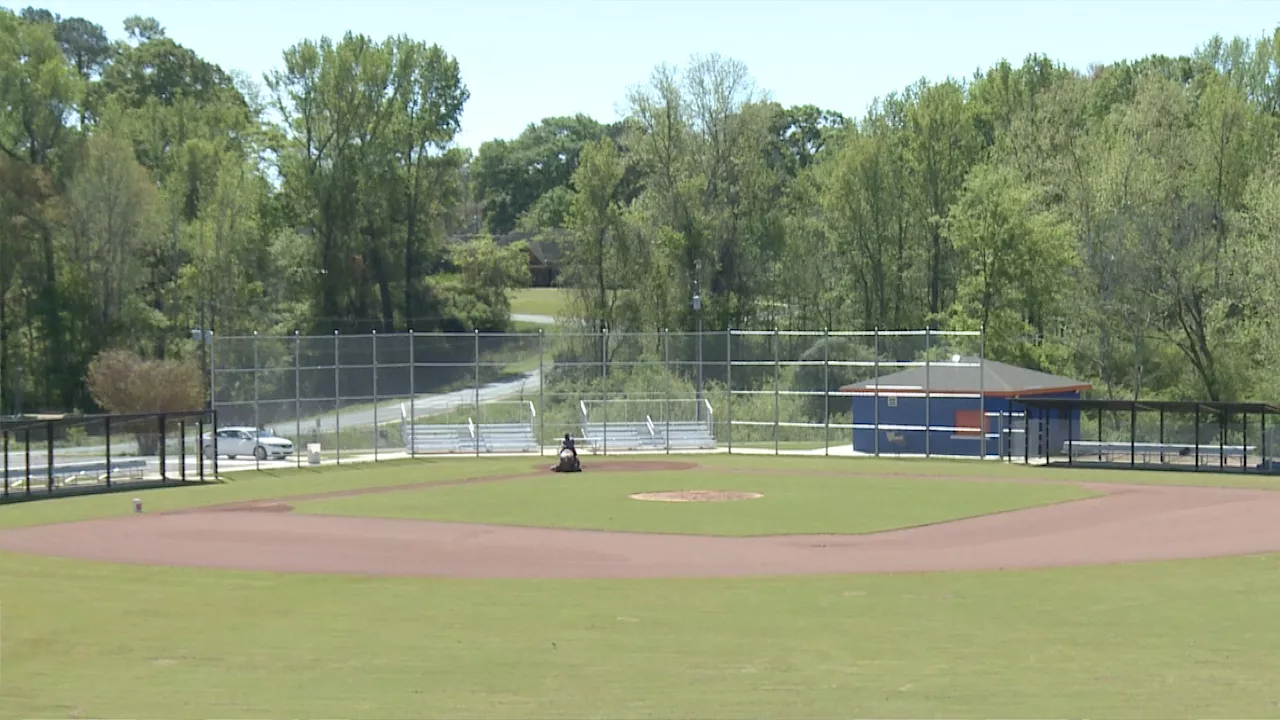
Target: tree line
1118,224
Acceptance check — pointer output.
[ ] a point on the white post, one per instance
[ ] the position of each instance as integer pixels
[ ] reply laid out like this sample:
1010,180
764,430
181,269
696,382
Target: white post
928,432
728,373
666,393
477,389
604,386
982,393
542,382
777,381
297,397
875,396
826,391
374,349
257,420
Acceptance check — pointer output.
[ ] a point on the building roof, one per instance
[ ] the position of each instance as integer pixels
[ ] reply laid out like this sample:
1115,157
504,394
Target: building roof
1175,406
996,379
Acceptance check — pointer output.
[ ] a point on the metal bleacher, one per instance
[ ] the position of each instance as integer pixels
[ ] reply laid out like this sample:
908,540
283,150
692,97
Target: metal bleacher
429,438
1147,452
647,435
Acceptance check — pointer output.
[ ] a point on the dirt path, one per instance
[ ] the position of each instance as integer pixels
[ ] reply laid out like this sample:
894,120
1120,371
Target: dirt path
1128,523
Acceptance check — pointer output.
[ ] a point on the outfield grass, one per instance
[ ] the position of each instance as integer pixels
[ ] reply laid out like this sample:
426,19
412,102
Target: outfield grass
254,485
792,504
538,301
1155,640
1185,639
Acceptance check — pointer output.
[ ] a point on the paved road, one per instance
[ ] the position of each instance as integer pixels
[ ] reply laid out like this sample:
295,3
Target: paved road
431,404
388,411
353,419
535,319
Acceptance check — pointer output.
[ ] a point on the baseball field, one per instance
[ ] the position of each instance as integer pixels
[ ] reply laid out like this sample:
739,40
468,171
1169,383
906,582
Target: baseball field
684,586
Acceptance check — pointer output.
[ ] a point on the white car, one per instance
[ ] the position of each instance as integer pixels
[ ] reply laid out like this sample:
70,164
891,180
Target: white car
236,441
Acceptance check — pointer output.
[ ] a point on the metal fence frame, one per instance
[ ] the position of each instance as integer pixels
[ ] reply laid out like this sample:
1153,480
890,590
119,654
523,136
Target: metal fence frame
40,459
394,396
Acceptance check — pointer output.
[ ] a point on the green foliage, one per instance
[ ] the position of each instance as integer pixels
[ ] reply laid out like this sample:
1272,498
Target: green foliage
1115,225
476,295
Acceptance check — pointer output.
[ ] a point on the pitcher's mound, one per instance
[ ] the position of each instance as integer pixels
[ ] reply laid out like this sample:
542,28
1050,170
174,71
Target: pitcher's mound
696,496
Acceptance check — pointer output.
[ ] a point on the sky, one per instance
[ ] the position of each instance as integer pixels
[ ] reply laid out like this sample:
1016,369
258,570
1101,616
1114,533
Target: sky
523,61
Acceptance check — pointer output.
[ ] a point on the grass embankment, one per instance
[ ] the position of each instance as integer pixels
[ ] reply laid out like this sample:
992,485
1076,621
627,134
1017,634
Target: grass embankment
538,301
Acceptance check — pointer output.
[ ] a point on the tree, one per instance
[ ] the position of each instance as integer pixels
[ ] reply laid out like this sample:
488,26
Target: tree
595,261
1013,256
110,217
942,145
513,176
474,293
124,383
365,165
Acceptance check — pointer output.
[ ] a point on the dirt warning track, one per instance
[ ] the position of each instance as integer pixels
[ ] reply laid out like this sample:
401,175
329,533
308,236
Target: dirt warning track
1127,524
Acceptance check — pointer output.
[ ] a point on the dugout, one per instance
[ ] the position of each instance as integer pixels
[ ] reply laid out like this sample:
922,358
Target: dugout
936,408
1154,434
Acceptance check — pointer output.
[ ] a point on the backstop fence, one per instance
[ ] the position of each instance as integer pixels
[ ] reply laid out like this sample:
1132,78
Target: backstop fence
824,392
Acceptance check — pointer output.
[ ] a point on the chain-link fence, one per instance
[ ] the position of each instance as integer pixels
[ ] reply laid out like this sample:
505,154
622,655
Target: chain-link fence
386,395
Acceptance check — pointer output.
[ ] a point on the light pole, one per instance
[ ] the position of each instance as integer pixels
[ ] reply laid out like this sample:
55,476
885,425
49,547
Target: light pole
697,312
203,337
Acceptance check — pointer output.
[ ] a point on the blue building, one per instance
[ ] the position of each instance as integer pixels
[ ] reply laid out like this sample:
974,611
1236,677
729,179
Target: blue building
893,414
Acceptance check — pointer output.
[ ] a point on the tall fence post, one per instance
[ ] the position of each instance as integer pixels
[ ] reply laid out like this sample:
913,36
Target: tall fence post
875,395
213,373
373,344
666,392
479,425
297,397
826,391
257,419
199,448
928,396
982,393
777,385
542,382
413,395
337,400
48,468
106,425
5,432
163,448
728,377
214,421
604,386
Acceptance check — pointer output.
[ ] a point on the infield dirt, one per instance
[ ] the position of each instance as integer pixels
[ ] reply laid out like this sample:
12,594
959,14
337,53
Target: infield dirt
1127,523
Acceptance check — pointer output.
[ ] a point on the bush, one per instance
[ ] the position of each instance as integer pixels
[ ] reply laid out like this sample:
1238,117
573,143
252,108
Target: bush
121,382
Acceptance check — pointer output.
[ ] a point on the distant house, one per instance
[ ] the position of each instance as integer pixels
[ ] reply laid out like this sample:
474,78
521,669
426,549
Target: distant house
544,262
952,410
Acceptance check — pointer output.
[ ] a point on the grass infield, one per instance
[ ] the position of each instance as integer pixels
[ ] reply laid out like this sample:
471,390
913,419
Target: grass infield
790,504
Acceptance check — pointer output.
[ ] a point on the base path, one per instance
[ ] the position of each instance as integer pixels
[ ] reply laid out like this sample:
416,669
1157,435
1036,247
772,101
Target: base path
1127,524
